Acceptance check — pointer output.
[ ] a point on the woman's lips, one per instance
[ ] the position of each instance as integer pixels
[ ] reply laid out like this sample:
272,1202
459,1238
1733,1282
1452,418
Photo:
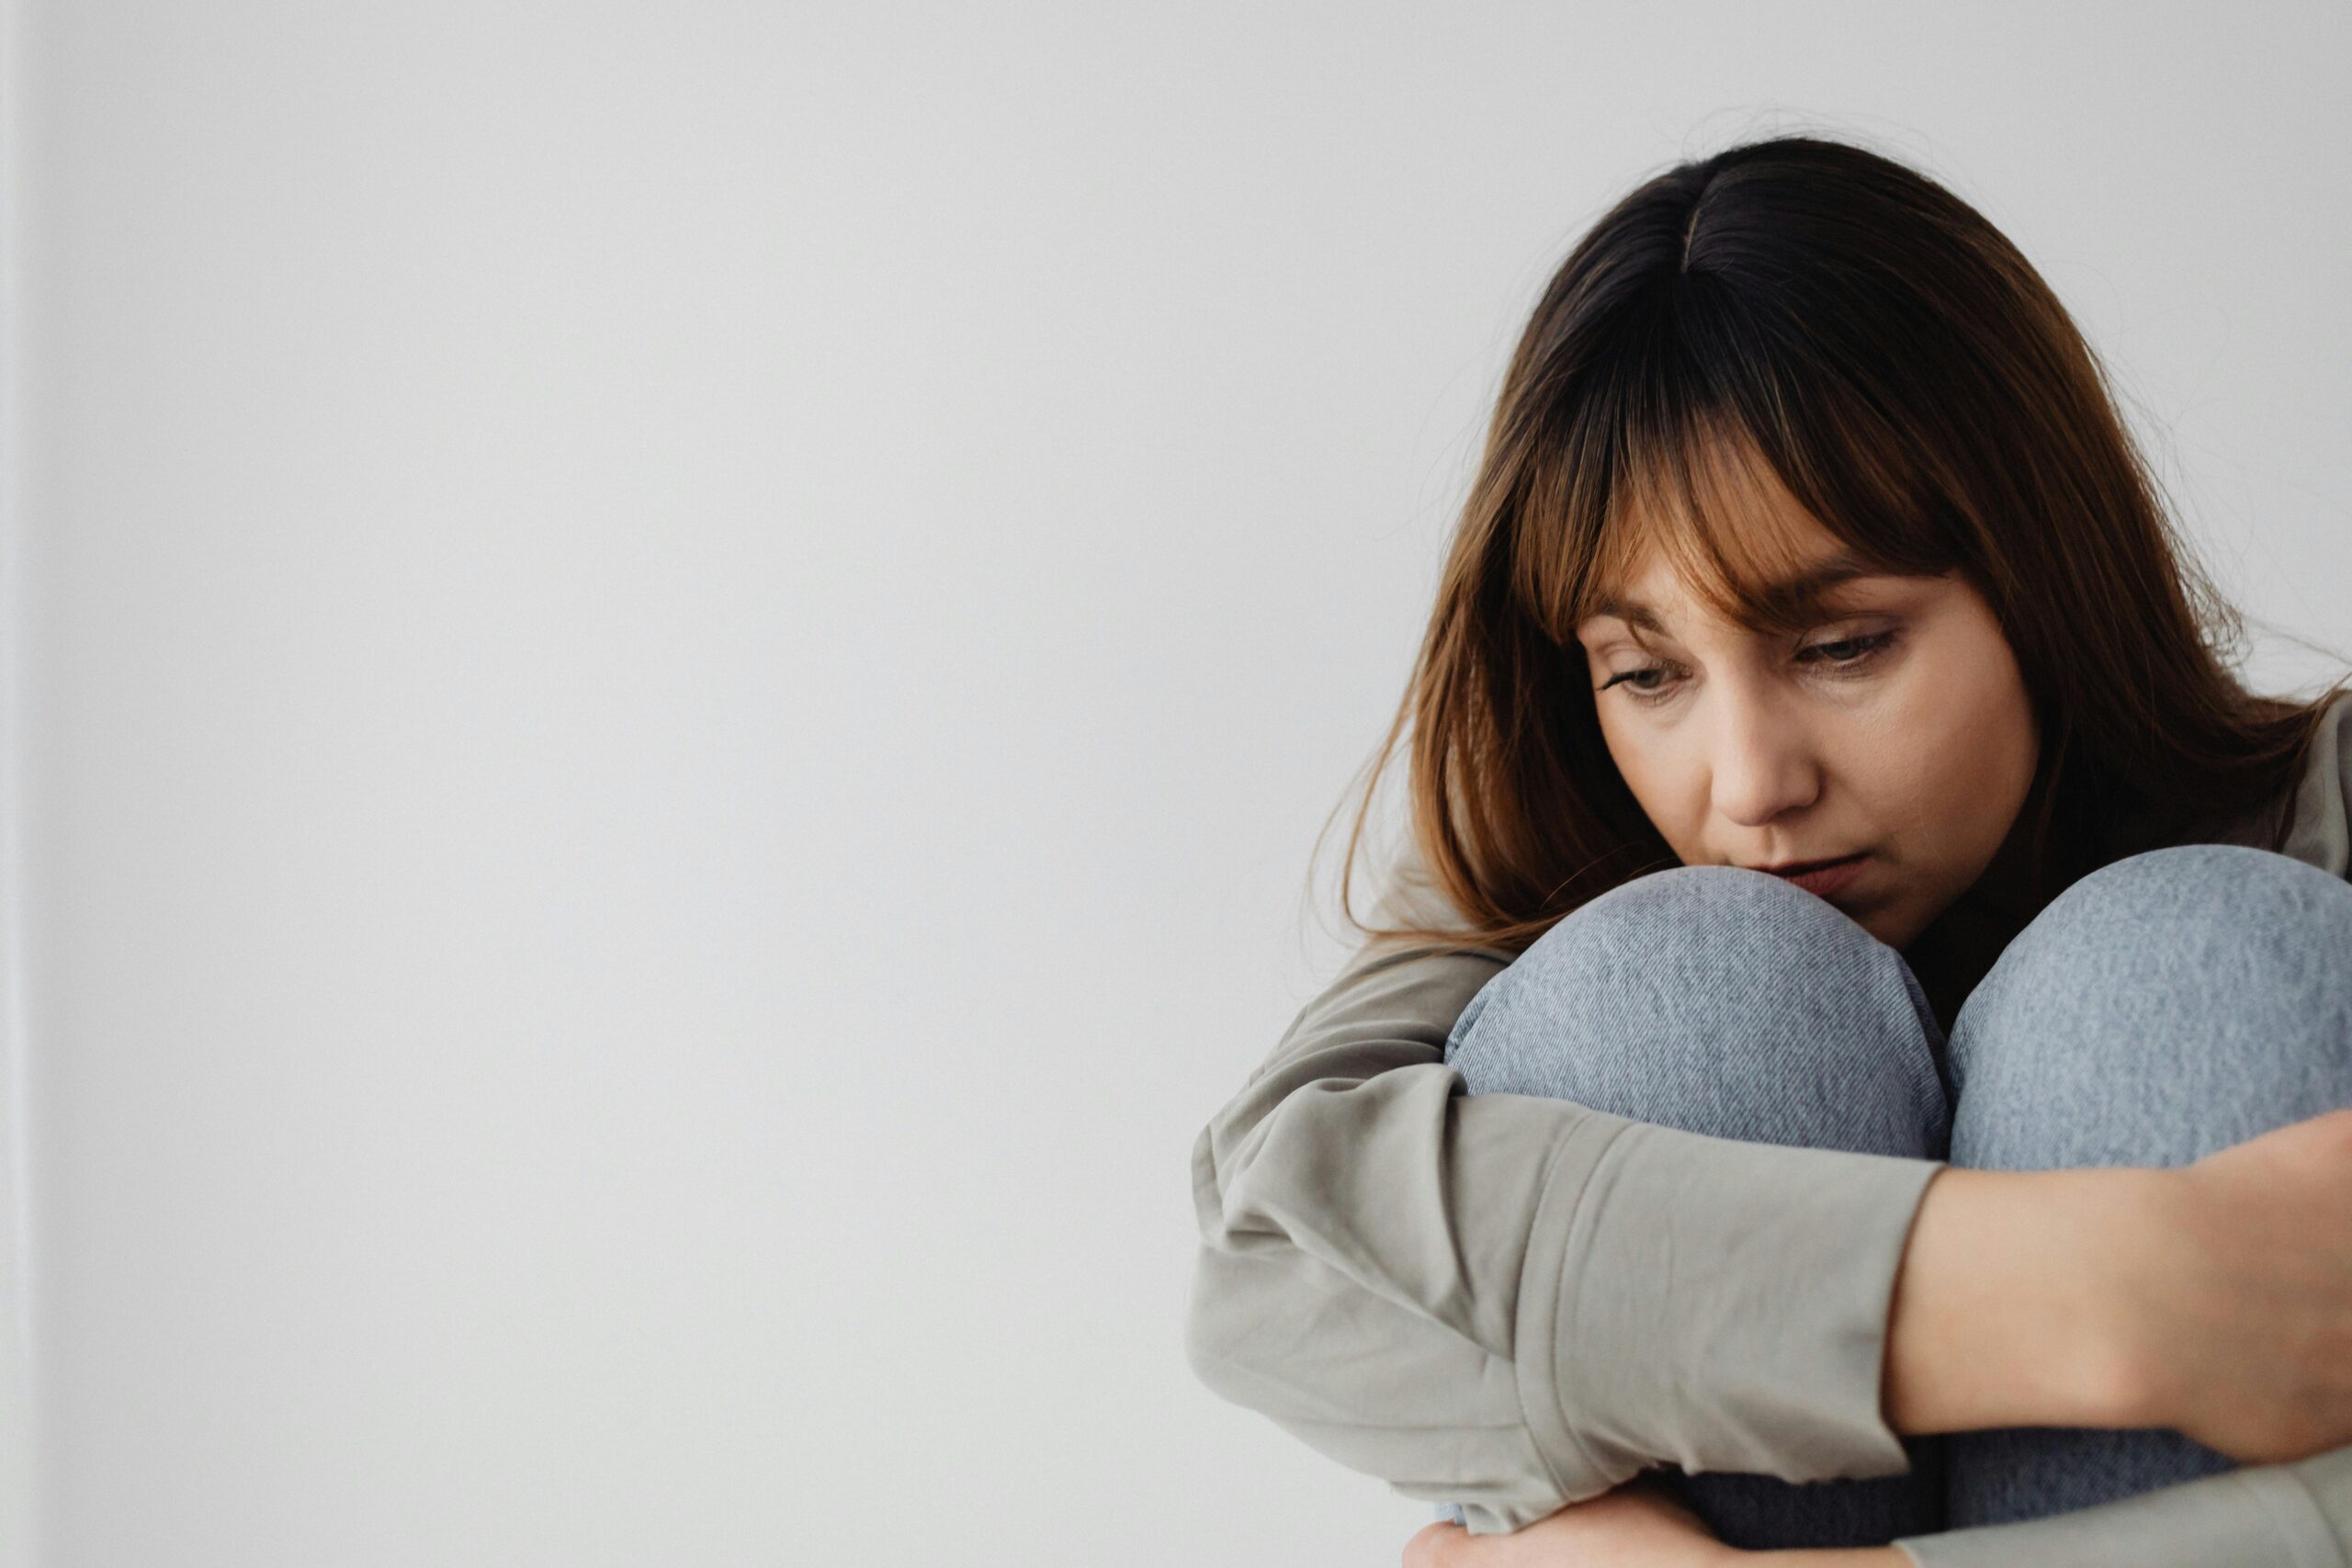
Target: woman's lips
1828,877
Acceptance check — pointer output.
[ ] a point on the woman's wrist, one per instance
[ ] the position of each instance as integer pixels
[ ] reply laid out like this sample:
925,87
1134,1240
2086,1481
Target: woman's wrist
2014,1306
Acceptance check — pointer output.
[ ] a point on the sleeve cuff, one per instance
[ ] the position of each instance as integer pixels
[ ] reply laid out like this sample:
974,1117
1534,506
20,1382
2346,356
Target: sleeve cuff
1721,1305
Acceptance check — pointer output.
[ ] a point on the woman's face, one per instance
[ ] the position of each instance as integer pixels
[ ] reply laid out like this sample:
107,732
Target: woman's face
1896,728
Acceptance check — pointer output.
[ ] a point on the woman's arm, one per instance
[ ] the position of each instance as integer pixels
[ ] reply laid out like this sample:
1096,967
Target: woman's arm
2011,1306
2213,1298
1513,1303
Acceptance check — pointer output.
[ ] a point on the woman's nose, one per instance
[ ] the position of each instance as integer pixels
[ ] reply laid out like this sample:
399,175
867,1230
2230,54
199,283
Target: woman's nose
1764,765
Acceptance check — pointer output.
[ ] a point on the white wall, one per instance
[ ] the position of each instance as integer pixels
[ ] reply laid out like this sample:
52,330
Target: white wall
671,667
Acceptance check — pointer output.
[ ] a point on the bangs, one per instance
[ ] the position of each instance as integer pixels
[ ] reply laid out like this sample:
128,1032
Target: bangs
1730,468
1720,519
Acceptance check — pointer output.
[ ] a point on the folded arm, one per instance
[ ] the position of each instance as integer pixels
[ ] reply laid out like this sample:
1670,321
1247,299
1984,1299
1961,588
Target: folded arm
1512,1303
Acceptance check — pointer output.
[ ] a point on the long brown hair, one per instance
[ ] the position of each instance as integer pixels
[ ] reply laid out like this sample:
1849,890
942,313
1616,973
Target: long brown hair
1820,308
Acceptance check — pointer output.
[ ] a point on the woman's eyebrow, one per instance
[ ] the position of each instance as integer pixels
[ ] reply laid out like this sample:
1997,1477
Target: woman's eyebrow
1788,597
1632,611
1796,595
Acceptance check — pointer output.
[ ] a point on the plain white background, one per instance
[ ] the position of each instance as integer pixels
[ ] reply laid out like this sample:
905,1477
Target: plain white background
671,670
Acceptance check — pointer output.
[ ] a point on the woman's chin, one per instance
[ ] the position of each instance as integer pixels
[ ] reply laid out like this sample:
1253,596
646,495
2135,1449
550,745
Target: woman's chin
1893,924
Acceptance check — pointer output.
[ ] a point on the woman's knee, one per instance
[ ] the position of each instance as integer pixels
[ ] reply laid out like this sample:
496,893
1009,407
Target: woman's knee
2191,890
2165,1006
1719,1000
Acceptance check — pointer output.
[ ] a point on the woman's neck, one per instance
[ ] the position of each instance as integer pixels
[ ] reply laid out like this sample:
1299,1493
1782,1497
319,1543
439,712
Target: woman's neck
1957,949
1960,945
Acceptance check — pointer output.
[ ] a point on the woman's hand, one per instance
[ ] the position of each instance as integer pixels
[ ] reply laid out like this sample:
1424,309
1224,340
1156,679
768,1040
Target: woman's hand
1638,1525
2246,1296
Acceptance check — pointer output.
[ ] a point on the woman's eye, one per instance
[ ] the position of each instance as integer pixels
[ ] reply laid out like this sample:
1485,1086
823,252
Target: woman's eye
1645,684
1846,649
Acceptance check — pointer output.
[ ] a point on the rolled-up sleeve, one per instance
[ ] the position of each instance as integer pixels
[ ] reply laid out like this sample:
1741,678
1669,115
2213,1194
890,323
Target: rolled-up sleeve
1513,1303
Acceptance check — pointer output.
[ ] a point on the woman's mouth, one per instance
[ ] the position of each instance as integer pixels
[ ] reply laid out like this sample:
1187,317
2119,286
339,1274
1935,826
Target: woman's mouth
1822,877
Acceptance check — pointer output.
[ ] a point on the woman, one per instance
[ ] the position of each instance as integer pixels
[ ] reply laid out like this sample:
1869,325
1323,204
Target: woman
1903,981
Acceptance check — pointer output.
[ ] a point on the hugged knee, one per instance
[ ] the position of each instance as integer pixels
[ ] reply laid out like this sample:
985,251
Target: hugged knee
2163,1007
1717,1000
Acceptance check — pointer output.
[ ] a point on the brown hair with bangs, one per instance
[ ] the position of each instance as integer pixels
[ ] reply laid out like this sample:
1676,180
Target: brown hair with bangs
1802,311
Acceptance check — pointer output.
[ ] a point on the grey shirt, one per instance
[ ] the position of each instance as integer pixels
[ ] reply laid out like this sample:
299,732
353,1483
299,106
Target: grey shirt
1393,1270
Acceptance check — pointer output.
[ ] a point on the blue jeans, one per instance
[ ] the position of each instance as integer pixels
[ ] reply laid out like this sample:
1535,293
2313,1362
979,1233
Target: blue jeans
2165,1007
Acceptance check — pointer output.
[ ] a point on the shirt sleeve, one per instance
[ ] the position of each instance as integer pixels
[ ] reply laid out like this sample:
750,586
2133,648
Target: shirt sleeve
2321,832
2272,1515
1512,1303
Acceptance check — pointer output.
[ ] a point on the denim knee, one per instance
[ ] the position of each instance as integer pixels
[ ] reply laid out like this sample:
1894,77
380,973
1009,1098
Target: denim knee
1717,1000
2165,1007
